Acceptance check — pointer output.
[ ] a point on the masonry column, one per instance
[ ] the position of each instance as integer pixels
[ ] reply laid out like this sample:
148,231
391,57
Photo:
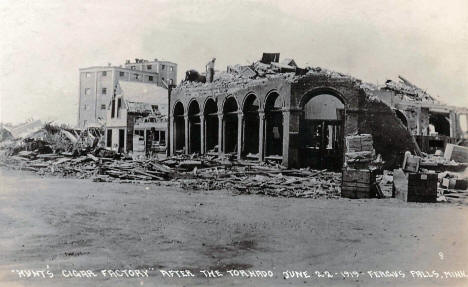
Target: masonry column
202,134
171,136
186,126
261,132
453,124
220,133
291,118
240,123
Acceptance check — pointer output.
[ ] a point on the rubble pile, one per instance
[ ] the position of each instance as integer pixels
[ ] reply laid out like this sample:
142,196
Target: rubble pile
188,172
409,90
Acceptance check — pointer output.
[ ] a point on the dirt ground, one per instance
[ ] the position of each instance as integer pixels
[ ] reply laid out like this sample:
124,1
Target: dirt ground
71,224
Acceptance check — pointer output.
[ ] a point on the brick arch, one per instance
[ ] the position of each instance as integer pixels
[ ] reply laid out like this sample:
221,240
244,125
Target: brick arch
226,99
246,96
190,102
175,105
308,95
269,94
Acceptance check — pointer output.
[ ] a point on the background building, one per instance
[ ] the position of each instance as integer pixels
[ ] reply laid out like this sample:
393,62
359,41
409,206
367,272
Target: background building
97,85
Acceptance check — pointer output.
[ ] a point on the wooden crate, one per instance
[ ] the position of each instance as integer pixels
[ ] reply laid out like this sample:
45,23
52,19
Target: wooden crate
415,187
357,183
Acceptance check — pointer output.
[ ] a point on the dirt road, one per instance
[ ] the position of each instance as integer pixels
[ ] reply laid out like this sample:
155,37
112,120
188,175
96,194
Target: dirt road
71,224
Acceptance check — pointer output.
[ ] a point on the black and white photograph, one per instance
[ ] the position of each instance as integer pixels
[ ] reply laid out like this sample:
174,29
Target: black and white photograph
233,143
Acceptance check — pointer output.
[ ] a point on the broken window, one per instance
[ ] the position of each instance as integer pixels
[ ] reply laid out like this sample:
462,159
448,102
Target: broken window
122,74
104,73
113,108
104,91
149,67
103,107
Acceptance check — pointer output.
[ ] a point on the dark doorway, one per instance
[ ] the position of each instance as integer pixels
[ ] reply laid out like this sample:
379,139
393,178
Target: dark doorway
109,138
230,111
440,123
251,125
121,140
211,126
321,131
179,127
273,125
194,128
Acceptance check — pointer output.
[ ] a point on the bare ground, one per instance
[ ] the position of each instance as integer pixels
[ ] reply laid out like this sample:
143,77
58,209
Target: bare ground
78,224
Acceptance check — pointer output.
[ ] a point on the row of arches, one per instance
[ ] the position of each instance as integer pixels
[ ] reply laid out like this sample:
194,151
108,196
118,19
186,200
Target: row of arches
250,131
240,129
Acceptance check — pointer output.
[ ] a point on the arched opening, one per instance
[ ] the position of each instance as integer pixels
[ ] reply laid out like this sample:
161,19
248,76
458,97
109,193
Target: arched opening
230,121
321,130
179,127
211,128
251,125
194,128
402,118
439,123
273,125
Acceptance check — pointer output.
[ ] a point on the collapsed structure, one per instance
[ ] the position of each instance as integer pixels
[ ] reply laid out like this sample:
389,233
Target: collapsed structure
274,110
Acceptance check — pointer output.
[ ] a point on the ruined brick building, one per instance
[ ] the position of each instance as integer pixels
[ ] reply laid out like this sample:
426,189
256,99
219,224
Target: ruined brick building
277,111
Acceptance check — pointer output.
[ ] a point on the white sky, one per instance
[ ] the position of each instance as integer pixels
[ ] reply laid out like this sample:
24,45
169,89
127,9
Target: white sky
43,43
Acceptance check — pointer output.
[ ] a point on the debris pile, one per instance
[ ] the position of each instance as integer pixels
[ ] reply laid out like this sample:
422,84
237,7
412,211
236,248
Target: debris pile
408,90
194,173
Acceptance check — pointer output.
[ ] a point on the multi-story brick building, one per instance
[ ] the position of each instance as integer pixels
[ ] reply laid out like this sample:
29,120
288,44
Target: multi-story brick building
97,85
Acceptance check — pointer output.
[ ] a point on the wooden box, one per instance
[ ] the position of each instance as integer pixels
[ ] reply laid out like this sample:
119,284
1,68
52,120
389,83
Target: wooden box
415,187
357,183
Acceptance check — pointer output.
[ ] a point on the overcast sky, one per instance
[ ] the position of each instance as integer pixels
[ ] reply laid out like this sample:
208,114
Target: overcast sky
43,43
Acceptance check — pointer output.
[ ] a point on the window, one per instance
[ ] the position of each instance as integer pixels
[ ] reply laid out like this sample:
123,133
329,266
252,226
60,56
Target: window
113,109
162,138
171,81
136,76
85,107
104,91
103,107
122,74
163,67
149,67
88,75
154,108
119,106
133,67
104,73
150,78
87,91
171,69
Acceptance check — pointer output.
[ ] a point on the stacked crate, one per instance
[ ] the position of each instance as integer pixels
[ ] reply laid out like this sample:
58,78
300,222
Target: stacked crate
358,180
